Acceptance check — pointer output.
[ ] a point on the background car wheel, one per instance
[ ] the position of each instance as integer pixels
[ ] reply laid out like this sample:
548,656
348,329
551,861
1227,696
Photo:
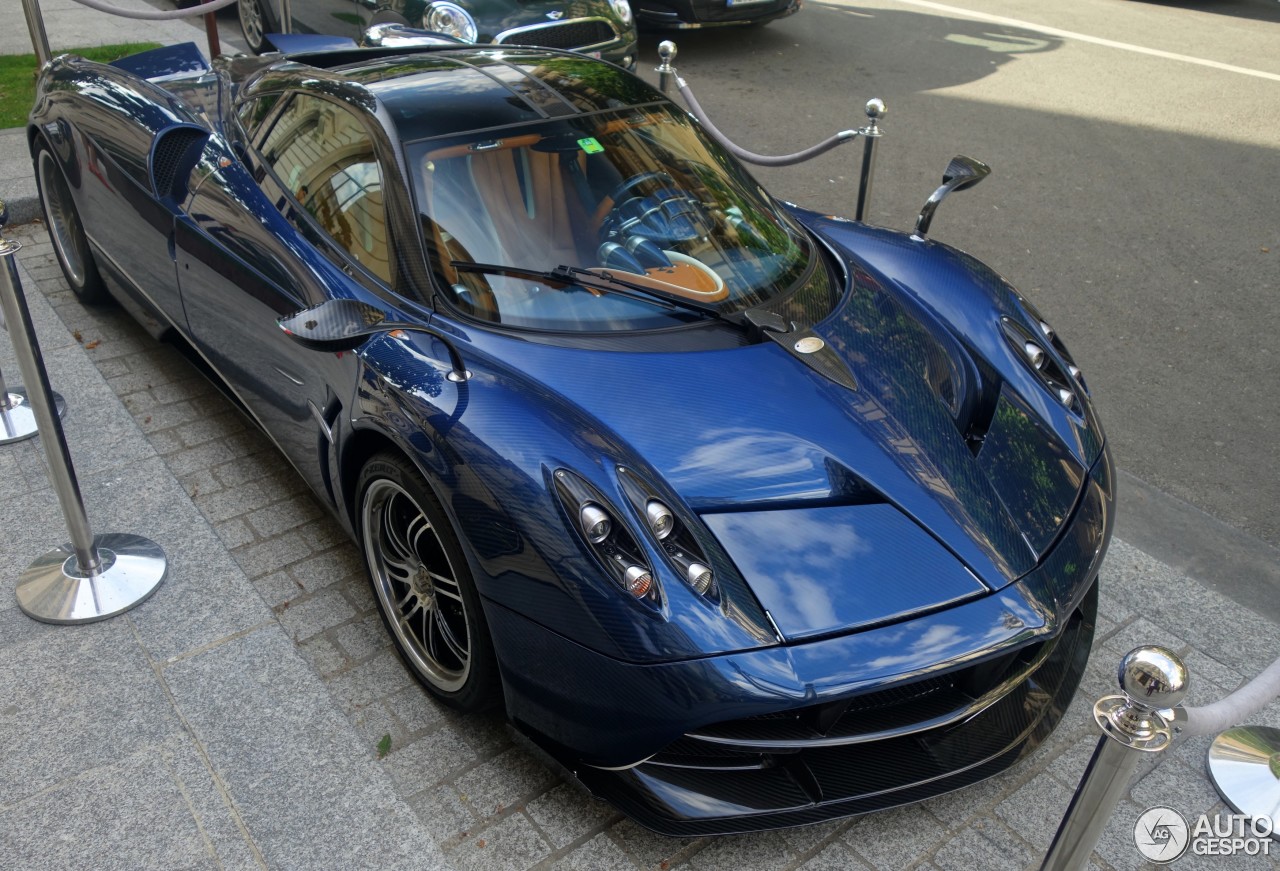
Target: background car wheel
66,230
423,586
255,21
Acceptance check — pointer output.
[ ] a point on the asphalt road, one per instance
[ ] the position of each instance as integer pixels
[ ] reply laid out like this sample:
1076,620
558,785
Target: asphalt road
1135,193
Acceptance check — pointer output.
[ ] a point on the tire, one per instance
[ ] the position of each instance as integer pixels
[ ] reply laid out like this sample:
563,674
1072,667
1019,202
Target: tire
66,230
423,586
255,22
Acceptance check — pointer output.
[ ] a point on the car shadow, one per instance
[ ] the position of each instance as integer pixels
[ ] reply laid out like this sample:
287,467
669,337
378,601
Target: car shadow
1258,10
865,47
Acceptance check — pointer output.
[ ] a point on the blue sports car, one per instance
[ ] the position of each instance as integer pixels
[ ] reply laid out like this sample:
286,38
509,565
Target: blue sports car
749,516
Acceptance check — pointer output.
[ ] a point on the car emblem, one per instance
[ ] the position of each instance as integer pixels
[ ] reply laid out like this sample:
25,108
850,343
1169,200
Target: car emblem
557,15
809,345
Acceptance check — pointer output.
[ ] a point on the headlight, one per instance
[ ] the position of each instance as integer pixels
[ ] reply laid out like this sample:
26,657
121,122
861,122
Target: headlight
623,9
451,20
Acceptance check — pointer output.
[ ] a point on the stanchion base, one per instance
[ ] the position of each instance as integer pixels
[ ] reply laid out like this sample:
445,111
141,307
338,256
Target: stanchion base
54,590
19,421
1244,765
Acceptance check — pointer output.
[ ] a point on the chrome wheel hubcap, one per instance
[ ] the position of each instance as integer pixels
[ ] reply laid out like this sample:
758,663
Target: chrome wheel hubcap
416,585
64,223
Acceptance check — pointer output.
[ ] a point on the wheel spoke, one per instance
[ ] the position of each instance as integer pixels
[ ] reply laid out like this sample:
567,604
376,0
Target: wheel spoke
407,596
403,620
392,535
419,525
446,634
446,586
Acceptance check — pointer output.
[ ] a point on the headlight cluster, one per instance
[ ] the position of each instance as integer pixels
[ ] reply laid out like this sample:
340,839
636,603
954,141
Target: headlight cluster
451,20
617,549
622,9
610,540
678,544
1034,350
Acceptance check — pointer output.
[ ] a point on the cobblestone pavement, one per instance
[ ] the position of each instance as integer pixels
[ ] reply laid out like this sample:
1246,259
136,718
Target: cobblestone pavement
492,804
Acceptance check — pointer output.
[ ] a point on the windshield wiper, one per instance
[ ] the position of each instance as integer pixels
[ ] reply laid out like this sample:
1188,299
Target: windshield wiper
603,280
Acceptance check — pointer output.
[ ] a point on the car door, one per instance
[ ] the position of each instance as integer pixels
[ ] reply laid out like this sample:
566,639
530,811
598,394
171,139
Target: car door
299,219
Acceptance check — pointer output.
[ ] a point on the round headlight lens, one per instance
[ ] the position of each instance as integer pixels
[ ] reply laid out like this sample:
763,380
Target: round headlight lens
660,518
595,522
639,582
623,9
1035,354
451,20
700,578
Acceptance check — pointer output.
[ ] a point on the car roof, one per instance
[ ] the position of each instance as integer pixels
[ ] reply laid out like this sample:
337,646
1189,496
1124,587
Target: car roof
444,91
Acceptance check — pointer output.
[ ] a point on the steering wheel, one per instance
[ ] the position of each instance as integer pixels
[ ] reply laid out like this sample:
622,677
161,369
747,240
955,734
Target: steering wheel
637,179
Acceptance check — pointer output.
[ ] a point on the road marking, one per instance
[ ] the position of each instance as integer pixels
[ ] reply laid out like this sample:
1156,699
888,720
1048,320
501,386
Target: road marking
1096,40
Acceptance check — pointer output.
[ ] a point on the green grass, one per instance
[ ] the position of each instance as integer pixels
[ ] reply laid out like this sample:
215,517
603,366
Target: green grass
18,77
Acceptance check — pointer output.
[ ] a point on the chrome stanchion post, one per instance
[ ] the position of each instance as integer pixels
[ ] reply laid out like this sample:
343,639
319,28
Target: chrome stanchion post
93,577
666,72
1152,681
1244,765
286,16
17,422
17,419
871,134
35,24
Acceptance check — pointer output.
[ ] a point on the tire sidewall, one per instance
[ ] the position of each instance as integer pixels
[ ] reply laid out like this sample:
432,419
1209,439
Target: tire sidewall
90,291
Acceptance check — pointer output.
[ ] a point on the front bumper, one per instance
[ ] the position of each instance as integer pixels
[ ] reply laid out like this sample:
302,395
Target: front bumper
794,734
691,14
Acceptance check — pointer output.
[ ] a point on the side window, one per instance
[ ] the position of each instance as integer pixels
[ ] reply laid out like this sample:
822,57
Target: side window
253,113
324,156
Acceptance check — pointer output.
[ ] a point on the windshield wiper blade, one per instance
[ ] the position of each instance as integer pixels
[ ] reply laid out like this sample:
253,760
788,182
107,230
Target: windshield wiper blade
603,280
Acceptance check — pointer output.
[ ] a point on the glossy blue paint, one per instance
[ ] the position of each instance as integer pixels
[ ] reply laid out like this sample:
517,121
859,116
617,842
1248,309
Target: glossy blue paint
835,568
948,511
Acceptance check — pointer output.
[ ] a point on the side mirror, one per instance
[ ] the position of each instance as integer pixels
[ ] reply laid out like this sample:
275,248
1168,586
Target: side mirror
345,324
961,174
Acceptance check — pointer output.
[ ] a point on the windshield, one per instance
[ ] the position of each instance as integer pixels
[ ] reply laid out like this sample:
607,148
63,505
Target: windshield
640,193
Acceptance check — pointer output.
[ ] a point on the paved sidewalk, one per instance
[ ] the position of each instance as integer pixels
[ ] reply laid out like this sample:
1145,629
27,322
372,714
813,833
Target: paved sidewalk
232,721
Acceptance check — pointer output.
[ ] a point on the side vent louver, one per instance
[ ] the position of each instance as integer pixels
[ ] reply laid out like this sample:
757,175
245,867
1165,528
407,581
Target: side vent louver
172,158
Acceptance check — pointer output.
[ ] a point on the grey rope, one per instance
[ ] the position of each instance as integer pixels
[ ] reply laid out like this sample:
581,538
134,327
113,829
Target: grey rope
157,14
749,156
1234,709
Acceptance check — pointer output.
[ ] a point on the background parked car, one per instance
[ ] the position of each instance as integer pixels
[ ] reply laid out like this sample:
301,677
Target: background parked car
600,28
681,14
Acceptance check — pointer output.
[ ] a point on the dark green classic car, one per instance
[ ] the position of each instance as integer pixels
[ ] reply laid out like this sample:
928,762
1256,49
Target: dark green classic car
599,28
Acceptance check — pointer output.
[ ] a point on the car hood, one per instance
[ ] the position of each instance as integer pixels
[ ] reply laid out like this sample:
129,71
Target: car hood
877,481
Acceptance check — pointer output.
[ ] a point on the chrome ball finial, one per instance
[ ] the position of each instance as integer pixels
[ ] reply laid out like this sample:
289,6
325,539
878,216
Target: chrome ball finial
876,109
666,52
1153,677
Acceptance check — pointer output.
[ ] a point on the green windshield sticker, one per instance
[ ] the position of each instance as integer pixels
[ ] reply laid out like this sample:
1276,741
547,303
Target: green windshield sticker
590,146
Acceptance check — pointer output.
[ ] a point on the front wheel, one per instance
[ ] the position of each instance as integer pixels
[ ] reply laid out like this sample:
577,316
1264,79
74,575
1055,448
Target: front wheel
423,585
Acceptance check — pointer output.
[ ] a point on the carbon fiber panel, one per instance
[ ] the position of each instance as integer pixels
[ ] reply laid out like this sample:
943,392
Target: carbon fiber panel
696,788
